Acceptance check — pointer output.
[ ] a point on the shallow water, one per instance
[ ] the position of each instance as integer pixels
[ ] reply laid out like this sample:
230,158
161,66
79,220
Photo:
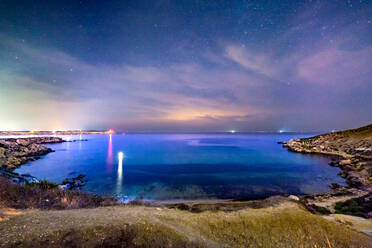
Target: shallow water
186,166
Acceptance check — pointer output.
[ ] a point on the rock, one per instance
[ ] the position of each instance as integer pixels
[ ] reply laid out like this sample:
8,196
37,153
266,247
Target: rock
333,163
30,179
23,142
293,197
353,181
74,182
345,162
342,174
15,152
334,186
16,180
65,186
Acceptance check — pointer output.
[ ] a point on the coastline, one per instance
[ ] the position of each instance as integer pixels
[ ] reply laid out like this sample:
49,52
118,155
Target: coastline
51,198
15,152
351,151
23,150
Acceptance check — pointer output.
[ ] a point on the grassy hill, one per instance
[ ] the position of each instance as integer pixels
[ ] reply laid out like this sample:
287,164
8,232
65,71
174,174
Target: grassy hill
284,225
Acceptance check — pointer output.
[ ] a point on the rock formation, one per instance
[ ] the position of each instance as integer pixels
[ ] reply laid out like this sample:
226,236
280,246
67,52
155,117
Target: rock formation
15,152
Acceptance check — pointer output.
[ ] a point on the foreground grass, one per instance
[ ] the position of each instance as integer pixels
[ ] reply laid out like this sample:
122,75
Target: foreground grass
286,225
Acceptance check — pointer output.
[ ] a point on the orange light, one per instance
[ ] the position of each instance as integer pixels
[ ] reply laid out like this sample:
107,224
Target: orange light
110,131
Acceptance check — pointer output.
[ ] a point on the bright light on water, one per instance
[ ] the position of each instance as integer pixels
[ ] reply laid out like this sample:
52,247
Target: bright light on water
232,131
120,173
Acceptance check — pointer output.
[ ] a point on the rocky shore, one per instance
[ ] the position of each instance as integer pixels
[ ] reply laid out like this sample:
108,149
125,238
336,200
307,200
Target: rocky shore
15,152
351,151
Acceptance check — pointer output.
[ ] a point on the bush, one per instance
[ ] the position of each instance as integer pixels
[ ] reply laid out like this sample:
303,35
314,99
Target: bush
46,195
360,206
43,184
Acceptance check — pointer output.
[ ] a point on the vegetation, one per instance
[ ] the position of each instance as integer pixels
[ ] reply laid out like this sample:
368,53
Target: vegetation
317,209
286,225
355,206
362,132
46,195
43,184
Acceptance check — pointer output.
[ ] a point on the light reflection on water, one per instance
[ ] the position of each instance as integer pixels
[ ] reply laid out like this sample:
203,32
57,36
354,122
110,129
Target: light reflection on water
120,173
109,159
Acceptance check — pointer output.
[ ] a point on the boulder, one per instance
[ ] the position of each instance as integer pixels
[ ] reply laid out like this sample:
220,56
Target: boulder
293,197
353,181
334,186
345,162
74,182
23,142
333,163
65,186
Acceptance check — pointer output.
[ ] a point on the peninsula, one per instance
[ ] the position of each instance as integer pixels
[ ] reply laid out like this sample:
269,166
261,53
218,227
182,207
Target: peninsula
351,151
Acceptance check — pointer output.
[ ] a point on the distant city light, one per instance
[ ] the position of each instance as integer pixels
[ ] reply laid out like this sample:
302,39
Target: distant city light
281,131
110,131
232,131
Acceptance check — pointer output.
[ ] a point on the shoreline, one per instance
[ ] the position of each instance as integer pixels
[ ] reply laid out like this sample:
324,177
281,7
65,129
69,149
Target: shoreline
15,152
314,202
351,151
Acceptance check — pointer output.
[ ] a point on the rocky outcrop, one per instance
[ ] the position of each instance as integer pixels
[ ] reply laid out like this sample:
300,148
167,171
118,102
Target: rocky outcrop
18,178
351,151
15,152
74,182
355,143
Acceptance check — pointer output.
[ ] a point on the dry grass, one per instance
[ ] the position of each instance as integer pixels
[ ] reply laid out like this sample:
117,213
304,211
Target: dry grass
286,225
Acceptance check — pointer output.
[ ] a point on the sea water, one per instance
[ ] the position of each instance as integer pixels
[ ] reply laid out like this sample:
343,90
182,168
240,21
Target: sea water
186,166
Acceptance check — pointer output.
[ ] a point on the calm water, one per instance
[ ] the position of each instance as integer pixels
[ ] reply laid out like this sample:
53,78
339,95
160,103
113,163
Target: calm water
186,166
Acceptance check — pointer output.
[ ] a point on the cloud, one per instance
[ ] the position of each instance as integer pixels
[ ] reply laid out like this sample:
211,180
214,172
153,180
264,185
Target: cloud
337,67
258,63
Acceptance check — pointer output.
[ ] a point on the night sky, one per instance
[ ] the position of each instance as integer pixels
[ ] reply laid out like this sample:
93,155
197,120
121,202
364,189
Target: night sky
185,65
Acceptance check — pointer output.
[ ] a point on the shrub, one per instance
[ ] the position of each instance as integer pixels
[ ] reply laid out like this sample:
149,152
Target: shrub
46,195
